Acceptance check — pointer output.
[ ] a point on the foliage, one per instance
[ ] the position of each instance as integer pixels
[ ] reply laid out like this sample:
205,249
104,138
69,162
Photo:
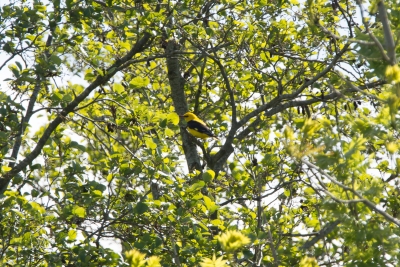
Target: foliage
303,95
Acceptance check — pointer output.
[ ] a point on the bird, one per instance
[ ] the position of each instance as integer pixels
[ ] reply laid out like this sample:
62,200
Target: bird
197,127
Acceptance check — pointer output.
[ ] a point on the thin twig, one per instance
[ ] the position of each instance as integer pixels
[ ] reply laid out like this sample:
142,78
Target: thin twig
110,72
371,35
368,203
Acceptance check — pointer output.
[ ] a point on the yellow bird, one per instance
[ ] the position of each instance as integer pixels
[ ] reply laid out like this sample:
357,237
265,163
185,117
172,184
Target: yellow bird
197,127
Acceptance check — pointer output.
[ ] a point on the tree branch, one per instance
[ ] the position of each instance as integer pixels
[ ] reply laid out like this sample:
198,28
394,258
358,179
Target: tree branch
368,203
100,80
177,83
29,112
371,35
220,157
387,33
229,88
329,227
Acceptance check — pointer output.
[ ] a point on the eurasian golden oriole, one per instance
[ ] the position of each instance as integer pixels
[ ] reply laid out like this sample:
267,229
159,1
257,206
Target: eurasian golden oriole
197,127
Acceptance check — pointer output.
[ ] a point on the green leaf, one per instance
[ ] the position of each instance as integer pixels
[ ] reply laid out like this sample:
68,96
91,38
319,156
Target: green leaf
34,193
76,145
139,82
5,168
118,88
163,123
141,208
89,76
208,176
169,132
196,186
79,211
14,70
40,8
55,59
72,234
210,205
150,144
97,193
37,207
8,47
18,65
173,118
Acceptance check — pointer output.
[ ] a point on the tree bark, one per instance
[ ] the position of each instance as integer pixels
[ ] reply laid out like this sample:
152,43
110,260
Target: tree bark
177,84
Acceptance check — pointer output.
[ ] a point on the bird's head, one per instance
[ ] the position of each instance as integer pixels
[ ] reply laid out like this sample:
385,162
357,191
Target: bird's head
188,116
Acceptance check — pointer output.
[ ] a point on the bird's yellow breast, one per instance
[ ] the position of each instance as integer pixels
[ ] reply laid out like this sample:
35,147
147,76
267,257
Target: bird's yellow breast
198,134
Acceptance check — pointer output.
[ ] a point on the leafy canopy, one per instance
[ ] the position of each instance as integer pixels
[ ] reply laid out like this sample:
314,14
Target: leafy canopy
303,95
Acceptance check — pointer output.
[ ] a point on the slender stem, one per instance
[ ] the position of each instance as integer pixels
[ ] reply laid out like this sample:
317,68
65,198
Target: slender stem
368,203
29,111
100,80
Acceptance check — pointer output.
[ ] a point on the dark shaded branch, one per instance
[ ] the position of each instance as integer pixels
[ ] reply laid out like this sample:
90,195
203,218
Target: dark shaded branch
387,33
20,51
327,32
295,94
202,54
229,88
299,103
366,202
177,83
329,227
271,245
223,72
371,35
287,55
100,80
29,112
221,156
259,198
198,93
299,235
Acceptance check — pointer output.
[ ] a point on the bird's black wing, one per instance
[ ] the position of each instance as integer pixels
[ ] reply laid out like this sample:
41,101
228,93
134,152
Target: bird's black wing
201,128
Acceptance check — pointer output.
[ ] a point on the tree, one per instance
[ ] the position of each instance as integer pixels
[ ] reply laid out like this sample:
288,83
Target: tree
304,97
